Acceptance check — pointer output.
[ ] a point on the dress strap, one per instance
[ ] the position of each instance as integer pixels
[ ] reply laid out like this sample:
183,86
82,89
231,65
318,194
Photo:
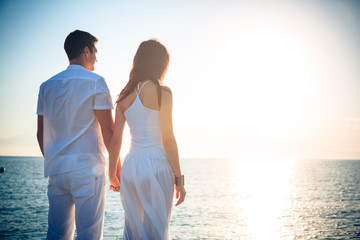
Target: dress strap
140,88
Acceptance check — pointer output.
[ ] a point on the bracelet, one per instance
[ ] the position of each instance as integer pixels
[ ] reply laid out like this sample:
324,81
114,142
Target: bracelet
179,181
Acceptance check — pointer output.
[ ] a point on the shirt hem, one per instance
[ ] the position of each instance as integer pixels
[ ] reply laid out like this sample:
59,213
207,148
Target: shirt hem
102,107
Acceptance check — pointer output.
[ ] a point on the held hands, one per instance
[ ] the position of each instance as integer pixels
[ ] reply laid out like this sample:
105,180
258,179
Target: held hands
114,178
114,183
180,194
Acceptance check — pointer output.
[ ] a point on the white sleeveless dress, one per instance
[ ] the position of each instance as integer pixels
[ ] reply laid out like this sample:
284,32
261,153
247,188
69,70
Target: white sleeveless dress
147,181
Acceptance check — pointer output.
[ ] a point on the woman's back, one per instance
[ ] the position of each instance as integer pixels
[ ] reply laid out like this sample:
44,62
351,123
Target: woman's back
151,167
142,114
148,97
147,181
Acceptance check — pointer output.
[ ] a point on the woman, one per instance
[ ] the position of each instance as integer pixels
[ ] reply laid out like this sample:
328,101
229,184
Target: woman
152,166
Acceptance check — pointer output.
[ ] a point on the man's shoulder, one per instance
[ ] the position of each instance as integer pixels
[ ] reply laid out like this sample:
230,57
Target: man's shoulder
89,75
80,73
53,78
71,74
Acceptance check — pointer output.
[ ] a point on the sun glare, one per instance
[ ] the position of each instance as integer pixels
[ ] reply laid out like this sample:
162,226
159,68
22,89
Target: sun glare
266,188
269,73
266,75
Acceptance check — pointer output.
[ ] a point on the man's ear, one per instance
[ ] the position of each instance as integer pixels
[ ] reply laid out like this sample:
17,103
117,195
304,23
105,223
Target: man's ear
86,51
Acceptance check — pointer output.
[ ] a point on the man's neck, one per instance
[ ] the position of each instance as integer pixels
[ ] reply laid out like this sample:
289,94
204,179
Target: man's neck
77,61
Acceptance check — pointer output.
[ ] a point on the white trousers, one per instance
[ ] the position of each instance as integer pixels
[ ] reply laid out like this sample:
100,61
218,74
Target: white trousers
76,198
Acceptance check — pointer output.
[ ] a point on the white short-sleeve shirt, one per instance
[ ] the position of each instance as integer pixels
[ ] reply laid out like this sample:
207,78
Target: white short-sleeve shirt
72,135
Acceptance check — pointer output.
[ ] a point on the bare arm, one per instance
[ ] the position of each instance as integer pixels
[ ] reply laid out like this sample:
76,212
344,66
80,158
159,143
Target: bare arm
40,133
168,137
169,142
106,122
115,146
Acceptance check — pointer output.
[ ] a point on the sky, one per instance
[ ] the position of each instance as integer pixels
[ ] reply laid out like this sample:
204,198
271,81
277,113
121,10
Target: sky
249,78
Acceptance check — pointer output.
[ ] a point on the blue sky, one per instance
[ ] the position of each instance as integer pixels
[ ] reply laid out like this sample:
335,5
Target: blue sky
249,77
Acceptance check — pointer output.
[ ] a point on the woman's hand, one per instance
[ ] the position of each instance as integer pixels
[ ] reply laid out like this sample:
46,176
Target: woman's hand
180,194
114,183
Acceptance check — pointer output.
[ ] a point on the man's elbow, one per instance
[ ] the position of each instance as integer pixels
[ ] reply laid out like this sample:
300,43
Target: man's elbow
39,135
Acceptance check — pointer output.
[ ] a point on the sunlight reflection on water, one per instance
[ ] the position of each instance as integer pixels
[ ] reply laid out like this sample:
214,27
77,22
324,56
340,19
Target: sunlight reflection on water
238,199
245,198
265,186
263,197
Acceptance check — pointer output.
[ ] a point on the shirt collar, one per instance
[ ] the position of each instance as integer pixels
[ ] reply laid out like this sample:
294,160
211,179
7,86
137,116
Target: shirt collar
74,66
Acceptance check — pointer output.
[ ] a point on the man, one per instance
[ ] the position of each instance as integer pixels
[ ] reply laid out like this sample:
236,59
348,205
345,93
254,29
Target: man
74,121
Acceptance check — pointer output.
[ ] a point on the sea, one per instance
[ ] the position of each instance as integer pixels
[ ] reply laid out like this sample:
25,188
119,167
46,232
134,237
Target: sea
237,198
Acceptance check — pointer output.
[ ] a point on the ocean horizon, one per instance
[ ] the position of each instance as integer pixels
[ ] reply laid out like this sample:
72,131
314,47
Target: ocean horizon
226,199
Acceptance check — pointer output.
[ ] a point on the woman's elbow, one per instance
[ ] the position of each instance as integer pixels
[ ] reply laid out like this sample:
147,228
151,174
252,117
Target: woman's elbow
169,142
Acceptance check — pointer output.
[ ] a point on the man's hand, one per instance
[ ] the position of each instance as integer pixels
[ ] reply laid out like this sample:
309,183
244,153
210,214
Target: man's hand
114,184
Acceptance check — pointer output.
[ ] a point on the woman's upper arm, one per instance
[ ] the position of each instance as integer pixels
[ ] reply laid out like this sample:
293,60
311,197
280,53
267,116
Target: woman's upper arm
119,123
166,115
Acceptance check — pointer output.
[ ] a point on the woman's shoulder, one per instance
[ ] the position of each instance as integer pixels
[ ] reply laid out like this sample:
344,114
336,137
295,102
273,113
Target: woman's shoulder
166,89
166,96
148,85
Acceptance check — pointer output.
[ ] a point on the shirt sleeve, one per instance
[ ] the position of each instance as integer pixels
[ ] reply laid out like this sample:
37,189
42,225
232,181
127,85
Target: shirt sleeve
40,110
102,98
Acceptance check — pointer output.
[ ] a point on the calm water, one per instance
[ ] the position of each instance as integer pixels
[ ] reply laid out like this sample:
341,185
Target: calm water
226,199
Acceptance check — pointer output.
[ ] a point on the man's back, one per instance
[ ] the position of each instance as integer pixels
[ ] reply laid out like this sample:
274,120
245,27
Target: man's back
72,135
73,125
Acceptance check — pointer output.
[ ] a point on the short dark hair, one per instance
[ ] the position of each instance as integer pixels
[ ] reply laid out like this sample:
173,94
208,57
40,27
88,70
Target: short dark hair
76,41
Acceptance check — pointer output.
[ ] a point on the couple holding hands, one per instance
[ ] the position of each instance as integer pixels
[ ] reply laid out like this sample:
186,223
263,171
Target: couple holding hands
75,125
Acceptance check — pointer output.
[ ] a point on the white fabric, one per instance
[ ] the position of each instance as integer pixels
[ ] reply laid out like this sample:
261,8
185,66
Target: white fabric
72,135
144,124
147,181
76,197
